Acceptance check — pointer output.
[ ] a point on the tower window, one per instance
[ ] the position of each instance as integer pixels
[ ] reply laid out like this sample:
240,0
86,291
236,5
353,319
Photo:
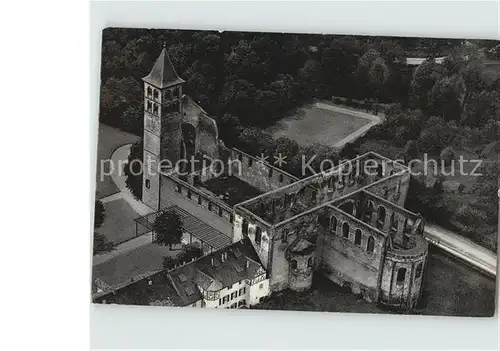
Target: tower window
357,237
148,183
155,94
149,90
149,106
401,276
155,109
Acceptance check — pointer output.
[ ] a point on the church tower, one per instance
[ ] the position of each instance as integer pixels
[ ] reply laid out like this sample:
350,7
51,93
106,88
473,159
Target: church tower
162,125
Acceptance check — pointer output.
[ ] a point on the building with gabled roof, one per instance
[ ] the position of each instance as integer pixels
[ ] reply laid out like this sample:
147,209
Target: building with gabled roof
231,277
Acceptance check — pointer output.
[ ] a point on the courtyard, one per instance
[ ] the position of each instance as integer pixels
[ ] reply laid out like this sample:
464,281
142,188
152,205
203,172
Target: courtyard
232,189
322,123
141,260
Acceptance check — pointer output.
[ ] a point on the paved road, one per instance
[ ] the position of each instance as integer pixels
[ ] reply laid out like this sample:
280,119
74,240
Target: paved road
462,248
374,120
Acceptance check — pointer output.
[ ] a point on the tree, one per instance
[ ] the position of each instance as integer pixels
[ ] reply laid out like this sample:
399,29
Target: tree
99,214
409,152
133,170
447,155
168,228
424,78
101,244
169,262
255,142
189,252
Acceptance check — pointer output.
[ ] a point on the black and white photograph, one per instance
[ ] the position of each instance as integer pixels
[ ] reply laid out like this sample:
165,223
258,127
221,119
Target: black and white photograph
304,172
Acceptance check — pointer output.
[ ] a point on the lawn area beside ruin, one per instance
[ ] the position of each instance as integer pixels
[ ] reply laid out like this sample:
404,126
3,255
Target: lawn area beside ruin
118,225
310,124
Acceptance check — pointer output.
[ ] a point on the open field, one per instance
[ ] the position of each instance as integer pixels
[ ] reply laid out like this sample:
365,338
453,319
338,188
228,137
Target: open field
118,225
109,139
450,288
311,124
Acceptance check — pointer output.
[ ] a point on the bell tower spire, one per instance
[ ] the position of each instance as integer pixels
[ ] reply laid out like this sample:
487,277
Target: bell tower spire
163,112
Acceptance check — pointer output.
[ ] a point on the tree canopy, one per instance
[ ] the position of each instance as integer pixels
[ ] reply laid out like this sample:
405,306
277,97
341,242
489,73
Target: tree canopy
168,228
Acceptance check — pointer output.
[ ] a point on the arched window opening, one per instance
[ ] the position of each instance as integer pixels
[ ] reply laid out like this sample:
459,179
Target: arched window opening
189,194
244,228
270,172
333,224
345,230
357,237
281,178
394,224
418,271
381,217
284,236
250,162
294,264
401,275
199,200
310,262
370,246
379,171
258,236
155,94
149,90
210,206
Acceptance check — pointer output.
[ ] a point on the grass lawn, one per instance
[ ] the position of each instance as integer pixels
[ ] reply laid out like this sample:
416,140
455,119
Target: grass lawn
118,225
316,125
450,288
121,268
109,139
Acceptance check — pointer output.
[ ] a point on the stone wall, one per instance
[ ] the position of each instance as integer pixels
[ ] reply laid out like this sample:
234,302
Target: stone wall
403,273
196,197
352,253
260,175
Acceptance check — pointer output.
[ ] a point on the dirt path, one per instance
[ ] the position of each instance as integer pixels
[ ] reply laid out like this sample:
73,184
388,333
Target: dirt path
374,120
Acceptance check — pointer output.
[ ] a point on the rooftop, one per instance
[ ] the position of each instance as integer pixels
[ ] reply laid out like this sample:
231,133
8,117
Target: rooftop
163,73
192,225
179,286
